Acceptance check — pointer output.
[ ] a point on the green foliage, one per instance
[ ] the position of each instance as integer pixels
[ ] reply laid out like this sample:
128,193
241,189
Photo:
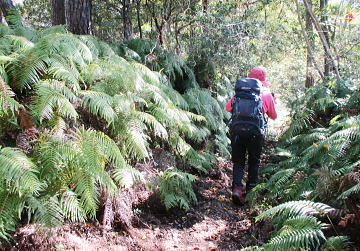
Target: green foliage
158,59
53,99
20,187
318,150
95,113
336,243
317,155
297,208
176,188
298,233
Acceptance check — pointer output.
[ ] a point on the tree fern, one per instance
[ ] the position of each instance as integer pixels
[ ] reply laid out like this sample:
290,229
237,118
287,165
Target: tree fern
52,50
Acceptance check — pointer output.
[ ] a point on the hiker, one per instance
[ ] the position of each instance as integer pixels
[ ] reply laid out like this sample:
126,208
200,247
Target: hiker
251,103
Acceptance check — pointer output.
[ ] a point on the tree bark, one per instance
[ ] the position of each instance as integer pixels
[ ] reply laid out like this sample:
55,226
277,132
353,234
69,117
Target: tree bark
78,16
58,12
1,17
127,23
324,28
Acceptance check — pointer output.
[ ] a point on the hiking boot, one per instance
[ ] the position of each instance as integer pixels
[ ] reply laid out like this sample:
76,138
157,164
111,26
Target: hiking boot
238,195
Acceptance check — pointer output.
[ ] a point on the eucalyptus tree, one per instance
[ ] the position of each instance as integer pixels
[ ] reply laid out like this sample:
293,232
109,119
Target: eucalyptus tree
78,16
58,12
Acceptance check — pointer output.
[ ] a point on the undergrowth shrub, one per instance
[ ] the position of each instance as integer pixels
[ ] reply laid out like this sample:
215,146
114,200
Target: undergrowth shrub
92,115
176,188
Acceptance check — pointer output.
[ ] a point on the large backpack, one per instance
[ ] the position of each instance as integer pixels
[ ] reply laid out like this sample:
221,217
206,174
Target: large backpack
247,118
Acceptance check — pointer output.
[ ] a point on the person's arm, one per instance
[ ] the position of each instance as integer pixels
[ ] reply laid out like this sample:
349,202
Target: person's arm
269,105
228,106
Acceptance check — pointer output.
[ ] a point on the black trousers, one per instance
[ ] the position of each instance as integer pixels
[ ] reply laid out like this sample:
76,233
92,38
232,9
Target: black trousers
252,147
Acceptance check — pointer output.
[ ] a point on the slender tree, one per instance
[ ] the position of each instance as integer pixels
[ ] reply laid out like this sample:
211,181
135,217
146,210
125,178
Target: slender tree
308,42
58,12
1,17
325,31
78,16
323,40
127,23
138,10
309,29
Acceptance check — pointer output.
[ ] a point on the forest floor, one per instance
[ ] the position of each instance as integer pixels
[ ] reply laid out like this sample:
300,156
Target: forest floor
215,223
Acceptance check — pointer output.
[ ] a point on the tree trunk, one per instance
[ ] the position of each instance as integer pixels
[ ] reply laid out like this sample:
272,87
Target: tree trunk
7,7
127,24
1,18
78,16
309,29
58,12
324,27
138,9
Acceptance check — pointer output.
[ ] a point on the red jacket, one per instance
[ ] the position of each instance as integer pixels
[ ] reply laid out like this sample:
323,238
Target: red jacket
268,105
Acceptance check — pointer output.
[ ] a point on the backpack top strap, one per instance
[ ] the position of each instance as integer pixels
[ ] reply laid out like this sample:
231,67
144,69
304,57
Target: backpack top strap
250,85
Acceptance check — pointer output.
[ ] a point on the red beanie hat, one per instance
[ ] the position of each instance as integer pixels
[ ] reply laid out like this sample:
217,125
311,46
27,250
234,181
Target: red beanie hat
259,74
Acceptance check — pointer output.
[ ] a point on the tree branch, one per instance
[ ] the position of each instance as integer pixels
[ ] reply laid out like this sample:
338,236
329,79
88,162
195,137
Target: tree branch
322,37
308,43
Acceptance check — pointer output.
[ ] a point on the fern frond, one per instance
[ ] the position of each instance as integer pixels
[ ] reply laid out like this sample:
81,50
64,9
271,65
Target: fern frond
20,42
87,190
47,211
278,180
176,188
158,129
201,101
53,98
18,172
354,189
336,243
296,208
297,233
64,70
71,207
134,139
99,103
126,176
146,74
92,140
